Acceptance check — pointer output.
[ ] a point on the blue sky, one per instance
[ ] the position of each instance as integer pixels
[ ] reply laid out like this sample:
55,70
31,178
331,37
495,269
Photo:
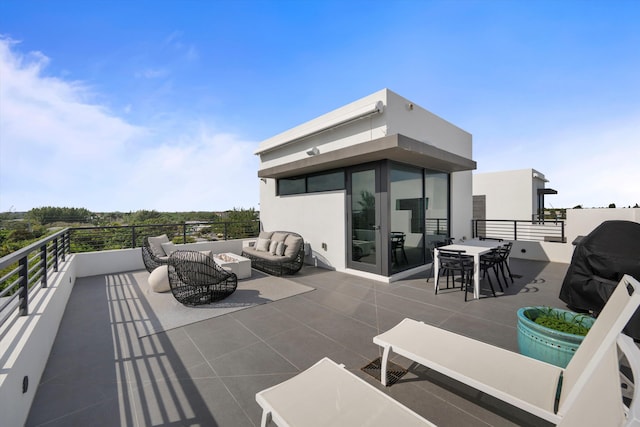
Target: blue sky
121,106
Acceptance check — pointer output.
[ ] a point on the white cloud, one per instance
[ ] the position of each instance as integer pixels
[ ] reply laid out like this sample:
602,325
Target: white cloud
58,148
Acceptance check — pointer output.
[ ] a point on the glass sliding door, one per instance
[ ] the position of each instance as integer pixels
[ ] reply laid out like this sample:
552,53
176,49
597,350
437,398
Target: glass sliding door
395,214
364,218
406,237
436,206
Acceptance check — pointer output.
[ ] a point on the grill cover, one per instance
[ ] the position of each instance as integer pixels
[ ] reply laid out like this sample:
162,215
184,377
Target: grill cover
599,261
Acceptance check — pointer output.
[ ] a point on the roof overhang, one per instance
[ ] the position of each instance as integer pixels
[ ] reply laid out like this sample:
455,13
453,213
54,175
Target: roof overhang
397,147
547,191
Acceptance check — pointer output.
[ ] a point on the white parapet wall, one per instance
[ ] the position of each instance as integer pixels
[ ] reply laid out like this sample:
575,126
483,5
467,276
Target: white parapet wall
542,251
581,222
26,341
120,260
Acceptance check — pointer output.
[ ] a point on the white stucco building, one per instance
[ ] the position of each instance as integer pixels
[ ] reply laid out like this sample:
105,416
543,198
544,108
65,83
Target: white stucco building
369,185
509,195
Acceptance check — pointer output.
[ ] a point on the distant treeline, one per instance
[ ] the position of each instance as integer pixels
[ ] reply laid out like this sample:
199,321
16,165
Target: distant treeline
18,230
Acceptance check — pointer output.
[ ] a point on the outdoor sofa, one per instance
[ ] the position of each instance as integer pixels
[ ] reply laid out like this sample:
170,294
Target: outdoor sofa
276,252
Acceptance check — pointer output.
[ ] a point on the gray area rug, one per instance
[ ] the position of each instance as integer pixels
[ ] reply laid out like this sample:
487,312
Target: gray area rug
154,312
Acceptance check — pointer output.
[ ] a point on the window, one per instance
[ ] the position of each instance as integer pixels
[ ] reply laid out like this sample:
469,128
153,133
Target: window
326,181
291,186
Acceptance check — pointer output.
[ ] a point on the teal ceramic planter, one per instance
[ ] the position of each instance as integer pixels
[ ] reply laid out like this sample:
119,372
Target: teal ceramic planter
548,345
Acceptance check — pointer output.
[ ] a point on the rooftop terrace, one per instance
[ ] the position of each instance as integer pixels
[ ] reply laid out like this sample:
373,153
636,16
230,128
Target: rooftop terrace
207,373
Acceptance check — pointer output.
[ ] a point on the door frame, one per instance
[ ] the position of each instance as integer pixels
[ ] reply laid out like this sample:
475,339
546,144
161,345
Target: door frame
381,266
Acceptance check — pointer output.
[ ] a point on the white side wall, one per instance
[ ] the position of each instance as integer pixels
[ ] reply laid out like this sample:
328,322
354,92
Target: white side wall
461,205
409,119
359,131
508,193
318,217
25,344
400,116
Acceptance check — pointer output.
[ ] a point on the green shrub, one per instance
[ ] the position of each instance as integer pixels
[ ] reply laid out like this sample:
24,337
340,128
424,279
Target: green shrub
569,323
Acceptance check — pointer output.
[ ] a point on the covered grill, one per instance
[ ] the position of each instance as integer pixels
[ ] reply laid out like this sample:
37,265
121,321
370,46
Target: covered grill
599,261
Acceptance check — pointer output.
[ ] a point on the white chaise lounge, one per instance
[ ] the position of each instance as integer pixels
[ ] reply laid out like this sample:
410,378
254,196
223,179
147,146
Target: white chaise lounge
327,395
589,387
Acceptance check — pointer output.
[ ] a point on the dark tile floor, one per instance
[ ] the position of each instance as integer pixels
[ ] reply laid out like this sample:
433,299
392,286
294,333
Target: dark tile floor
100,373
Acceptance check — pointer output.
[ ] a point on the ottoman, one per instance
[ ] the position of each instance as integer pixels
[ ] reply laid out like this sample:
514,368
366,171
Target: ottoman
159,279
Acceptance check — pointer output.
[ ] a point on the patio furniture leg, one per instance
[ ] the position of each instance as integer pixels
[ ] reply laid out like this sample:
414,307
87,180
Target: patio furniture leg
383,365
266,418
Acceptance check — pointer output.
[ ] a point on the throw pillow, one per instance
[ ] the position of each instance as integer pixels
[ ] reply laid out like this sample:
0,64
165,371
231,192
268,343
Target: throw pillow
262,245
265,235
280,249
293,244
279,236
155,244
272,247
168,247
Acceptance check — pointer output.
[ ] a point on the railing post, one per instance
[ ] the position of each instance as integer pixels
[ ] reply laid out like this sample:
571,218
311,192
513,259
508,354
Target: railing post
43,263
184,233
23,306
562,231
66,245
226,230
133,236
515,230
55,254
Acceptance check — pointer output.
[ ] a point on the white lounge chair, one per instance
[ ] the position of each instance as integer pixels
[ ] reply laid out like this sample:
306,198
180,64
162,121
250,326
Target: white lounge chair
327,395
589,387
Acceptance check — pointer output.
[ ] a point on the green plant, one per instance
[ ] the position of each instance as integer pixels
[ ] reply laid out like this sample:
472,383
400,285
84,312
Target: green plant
570,323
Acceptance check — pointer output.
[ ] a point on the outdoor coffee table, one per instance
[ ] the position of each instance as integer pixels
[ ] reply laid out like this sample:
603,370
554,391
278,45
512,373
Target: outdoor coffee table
239,265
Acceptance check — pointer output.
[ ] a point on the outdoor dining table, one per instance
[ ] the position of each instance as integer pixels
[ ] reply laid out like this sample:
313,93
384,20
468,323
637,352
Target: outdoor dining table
473,248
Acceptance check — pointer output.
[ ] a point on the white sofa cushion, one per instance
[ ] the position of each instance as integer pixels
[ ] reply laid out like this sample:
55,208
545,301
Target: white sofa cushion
155,244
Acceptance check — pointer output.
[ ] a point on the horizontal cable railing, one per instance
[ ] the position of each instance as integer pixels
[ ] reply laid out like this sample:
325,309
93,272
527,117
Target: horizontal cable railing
25,271
540,231
437,226
87,239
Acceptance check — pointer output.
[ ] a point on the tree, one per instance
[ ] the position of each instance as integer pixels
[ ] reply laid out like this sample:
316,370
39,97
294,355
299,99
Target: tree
49,214
240,223
612,205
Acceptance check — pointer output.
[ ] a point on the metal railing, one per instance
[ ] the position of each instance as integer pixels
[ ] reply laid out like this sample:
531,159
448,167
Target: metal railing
25,268
540,231
86,239
437,226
